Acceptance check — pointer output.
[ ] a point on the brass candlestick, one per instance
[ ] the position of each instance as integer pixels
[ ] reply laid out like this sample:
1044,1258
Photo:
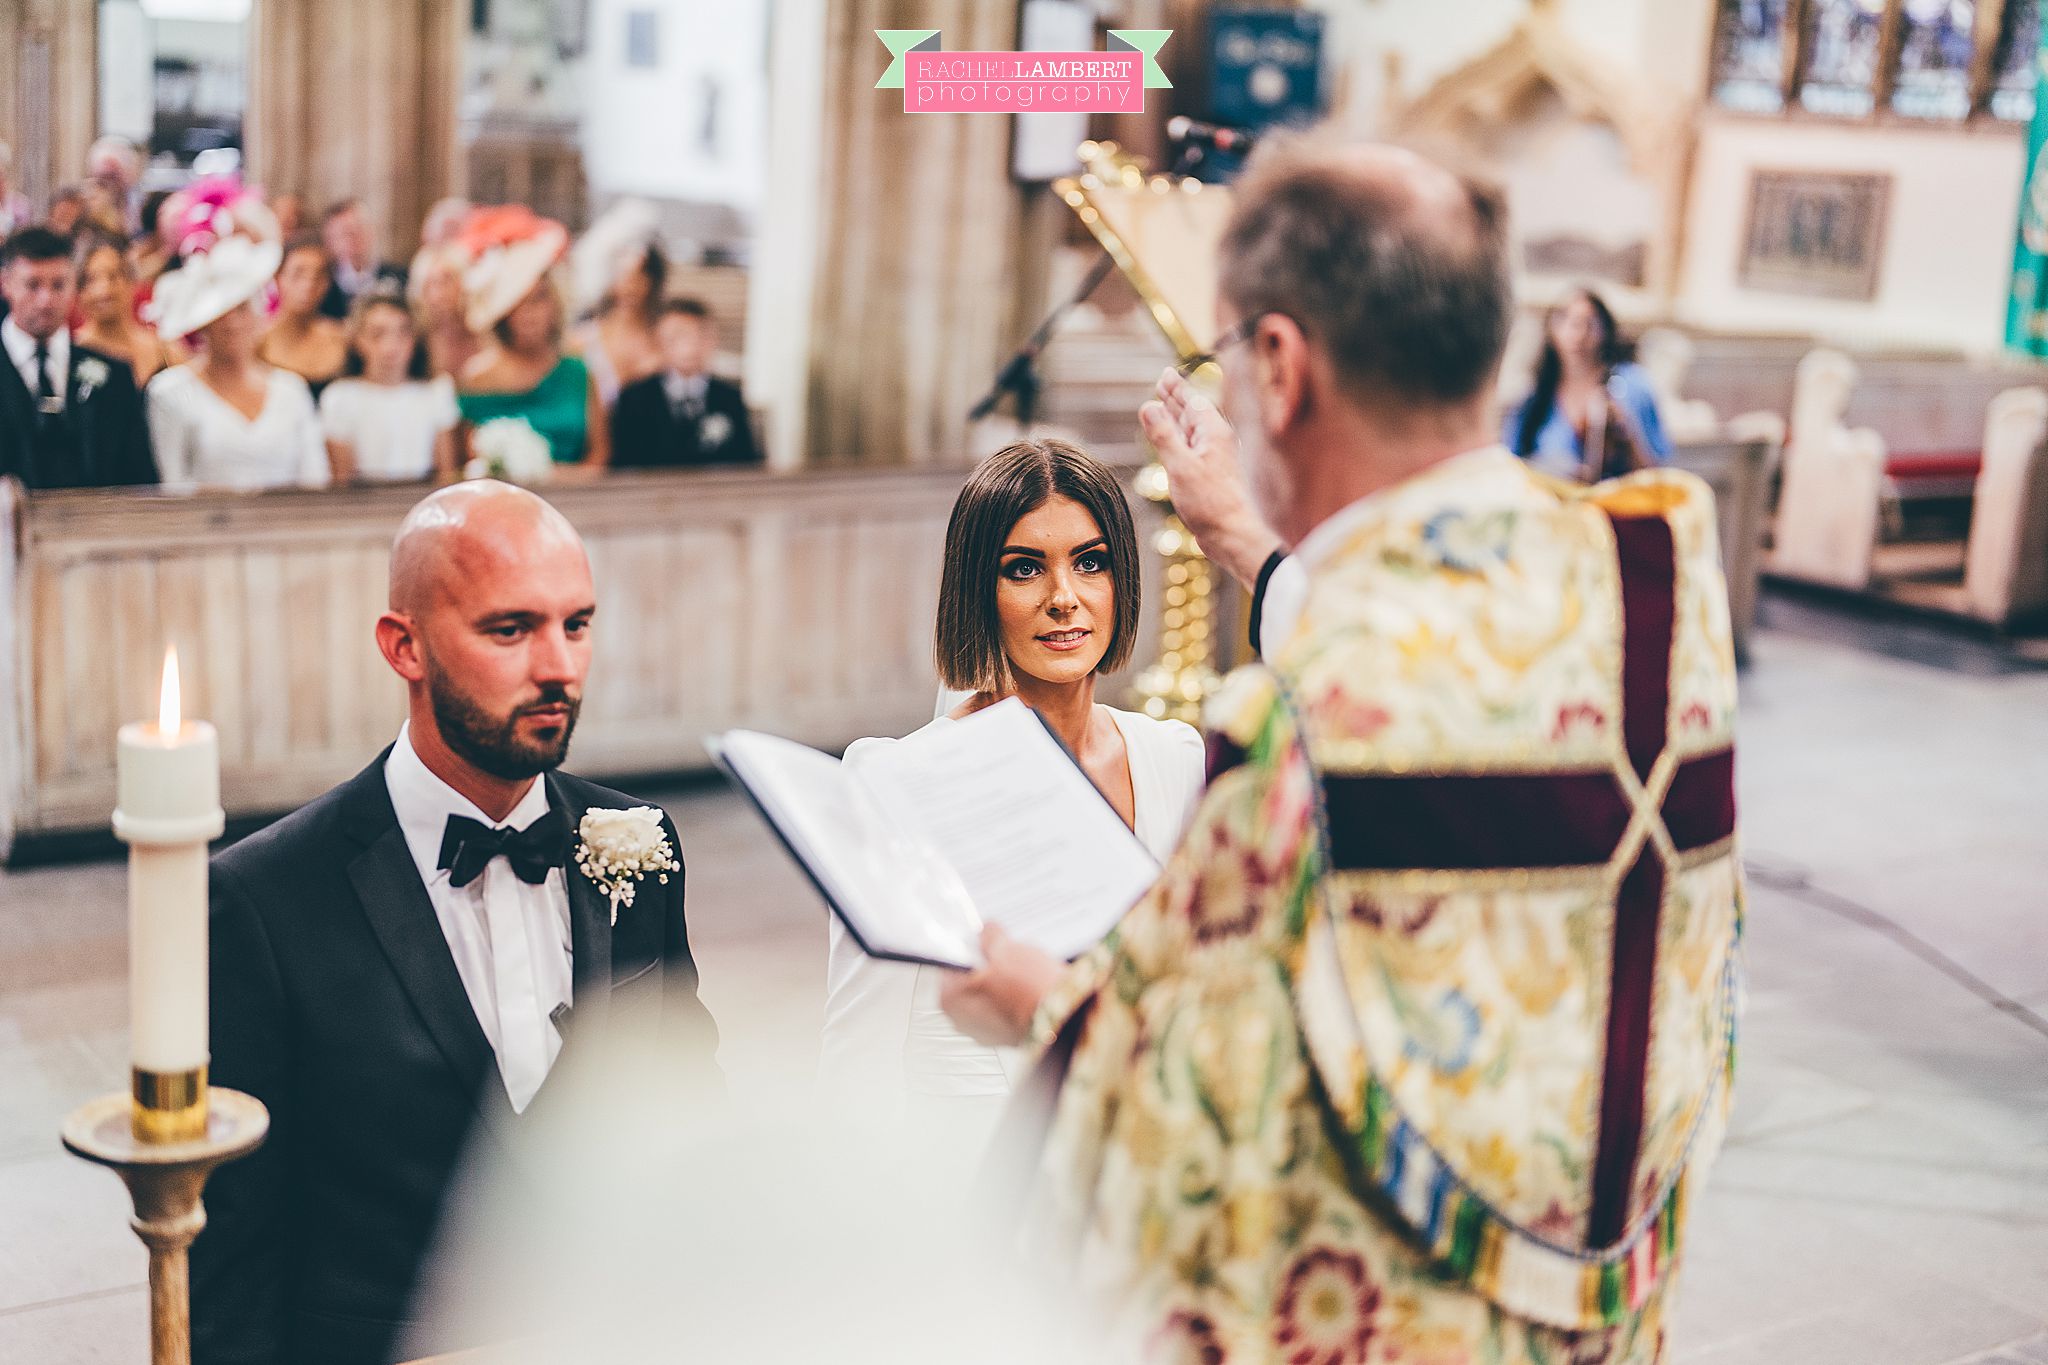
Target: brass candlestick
164,1180
1175,686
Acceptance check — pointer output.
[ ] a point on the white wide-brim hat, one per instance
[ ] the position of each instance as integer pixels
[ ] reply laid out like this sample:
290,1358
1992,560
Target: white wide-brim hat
512,251
209,284
621,235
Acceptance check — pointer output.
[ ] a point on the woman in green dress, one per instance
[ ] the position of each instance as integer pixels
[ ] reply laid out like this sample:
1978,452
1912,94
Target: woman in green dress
521,371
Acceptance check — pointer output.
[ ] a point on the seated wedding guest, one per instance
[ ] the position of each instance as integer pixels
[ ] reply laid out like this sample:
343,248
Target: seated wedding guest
434,287
225,418
14,206
301,338
386,420
155,244
1592,414
352,249
409,969
619,273
106,298
1039,596
67,210
1423,1040
683,415
113,167
290,210
522,372
70,415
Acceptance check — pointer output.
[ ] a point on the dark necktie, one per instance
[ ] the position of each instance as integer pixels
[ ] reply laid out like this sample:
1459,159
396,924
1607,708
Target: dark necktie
49,462
467,847
46,392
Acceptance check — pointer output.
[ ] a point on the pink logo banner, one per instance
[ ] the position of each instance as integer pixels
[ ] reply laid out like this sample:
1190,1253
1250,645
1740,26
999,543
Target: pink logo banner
1023,82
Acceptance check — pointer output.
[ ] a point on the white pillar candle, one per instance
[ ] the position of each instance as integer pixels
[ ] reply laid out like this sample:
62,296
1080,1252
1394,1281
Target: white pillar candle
169,808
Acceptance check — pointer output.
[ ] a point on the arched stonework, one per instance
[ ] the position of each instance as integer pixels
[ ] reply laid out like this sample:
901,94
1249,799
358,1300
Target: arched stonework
1539,85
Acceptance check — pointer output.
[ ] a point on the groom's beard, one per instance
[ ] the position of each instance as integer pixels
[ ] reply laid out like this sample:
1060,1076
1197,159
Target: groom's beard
493,743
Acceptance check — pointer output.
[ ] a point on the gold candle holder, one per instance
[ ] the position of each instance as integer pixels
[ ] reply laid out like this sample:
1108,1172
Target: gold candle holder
164,1177
170,1106
1174,687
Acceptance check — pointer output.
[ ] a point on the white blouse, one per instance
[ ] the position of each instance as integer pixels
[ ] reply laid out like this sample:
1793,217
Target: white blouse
390,427
887,1044
202,438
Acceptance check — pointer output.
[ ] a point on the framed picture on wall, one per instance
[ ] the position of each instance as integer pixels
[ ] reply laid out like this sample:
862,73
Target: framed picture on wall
1818,233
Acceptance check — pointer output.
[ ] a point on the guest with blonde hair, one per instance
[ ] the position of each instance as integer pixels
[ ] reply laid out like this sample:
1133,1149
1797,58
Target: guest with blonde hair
522,372
106,296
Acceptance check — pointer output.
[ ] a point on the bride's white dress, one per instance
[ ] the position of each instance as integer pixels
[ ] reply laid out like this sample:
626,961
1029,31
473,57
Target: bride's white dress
889,1050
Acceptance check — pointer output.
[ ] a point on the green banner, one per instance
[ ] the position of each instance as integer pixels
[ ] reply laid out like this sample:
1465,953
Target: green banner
2026,314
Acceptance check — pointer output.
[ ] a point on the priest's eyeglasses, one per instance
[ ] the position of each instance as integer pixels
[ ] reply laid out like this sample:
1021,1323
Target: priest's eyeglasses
1236,336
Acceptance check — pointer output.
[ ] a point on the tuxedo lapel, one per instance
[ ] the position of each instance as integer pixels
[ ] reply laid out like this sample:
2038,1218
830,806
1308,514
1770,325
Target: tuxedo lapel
395,901
590,921
18,416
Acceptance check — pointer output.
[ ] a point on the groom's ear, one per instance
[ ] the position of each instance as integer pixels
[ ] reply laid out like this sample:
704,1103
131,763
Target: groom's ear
399,643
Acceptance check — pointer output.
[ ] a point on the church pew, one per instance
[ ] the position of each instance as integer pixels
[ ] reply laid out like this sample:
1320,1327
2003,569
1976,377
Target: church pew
798,602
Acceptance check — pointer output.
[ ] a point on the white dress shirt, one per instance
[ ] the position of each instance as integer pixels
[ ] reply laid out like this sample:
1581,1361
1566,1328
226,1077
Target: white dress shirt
510,939
21,349
685,390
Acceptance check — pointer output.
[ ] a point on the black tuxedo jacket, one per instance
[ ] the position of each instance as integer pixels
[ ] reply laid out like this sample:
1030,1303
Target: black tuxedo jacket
100,440
386,278
337,1003
648,434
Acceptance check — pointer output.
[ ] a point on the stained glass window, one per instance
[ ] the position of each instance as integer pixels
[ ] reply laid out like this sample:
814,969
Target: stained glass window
2013,96
1934,59
1749,55
1841,56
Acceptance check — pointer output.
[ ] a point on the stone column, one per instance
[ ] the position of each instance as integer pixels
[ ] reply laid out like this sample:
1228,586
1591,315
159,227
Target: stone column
358,99
49,98
918,232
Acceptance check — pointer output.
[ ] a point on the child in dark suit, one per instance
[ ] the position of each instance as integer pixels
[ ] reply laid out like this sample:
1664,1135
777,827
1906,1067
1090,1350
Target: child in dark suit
682,415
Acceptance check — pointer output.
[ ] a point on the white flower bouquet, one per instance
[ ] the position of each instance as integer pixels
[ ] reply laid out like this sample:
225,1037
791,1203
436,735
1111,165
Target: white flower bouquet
509,448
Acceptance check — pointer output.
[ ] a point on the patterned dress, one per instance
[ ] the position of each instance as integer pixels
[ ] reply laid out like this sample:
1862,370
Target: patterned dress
1425,1037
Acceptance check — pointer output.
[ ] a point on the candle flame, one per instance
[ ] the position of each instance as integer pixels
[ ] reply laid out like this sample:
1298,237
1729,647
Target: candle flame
168,714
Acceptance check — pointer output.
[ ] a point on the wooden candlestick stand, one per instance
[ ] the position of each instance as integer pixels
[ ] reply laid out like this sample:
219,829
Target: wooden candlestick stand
164,1180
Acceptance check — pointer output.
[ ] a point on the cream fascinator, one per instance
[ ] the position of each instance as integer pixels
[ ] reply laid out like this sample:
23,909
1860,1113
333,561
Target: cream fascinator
228,253
510,250
619,237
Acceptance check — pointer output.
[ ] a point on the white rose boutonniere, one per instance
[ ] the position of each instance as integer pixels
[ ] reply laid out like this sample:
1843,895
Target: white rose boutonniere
616,848
714,429
91,373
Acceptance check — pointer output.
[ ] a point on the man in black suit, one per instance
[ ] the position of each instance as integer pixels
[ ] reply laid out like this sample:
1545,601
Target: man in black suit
345,230
396,966
682,415
70,416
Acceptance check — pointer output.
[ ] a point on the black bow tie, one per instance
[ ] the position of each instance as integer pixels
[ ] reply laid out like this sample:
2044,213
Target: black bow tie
467,847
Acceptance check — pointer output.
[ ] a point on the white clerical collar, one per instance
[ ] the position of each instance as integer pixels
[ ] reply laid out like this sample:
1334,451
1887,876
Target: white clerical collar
423,803
1330,534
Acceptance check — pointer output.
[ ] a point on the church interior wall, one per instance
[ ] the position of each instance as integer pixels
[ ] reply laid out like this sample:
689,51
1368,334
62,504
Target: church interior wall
1946,249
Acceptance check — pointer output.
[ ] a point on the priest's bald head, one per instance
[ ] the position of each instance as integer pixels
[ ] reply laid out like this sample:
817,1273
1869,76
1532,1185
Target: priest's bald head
489,624
1371,293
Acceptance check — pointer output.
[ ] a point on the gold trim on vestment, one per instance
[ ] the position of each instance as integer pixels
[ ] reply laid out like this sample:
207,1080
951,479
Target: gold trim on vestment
1428,881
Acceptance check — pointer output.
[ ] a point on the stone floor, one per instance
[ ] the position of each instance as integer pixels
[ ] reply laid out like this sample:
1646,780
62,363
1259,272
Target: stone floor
1884,1196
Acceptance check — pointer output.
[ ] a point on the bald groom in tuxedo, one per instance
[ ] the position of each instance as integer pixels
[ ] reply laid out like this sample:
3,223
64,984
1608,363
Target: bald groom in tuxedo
400,966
